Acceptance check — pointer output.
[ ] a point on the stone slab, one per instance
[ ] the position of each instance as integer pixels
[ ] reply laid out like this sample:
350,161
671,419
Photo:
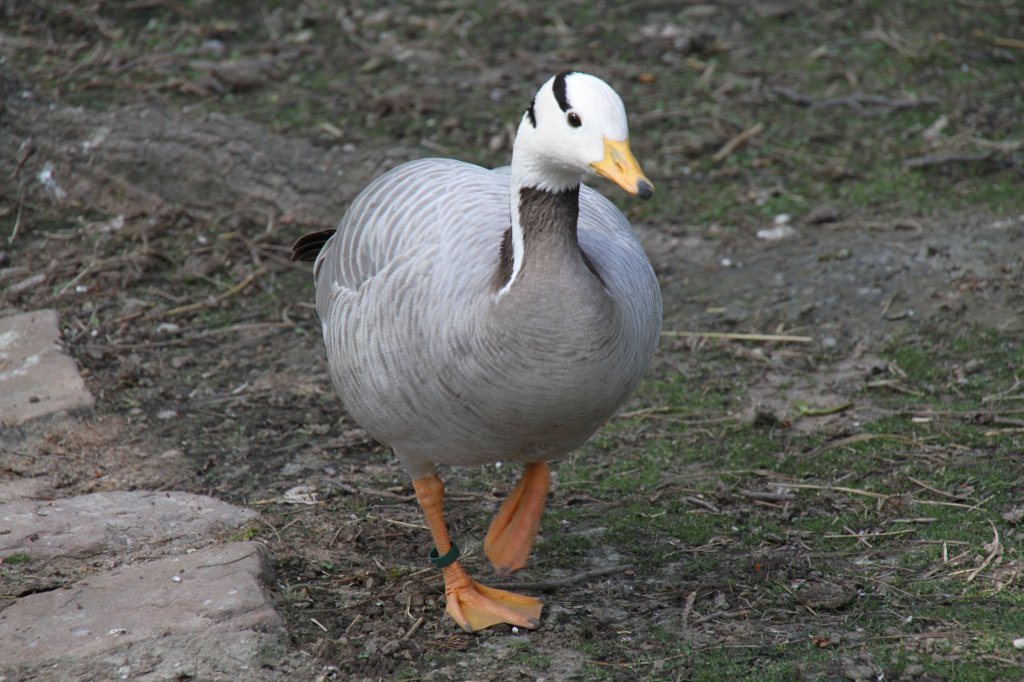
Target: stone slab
204,615
121,524
36,376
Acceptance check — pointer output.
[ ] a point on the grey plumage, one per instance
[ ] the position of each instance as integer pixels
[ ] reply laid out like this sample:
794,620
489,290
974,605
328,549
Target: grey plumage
433,361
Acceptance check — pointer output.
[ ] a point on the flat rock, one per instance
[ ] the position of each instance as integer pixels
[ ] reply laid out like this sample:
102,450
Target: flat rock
122,524
204,615
36,376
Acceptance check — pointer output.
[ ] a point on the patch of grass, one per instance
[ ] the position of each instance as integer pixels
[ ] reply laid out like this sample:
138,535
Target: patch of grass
661,531
244,535
18,558
565,548
525,655
904,514
977,370
917,362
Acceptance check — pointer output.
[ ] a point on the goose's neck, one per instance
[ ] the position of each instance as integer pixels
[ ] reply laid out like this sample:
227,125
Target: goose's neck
542,234
544,207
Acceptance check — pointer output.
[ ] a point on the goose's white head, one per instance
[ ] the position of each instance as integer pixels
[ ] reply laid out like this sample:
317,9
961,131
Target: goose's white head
576,125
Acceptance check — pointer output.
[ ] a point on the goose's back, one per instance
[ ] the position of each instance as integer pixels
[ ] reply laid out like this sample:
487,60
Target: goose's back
448,213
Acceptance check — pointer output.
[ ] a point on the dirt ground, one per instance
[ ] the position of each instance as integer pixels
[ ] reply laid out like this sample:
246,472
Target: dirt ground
837,500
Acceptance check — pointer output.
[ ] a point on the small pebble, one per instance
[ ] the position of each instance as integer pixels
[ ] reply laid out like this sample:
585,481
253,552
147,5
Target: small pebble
176,578
778,232
212,46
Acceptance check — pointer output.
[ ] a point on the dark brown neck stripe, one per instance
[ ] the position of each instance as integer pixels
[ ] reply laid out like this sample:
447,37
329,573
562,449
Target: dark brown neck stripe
547,219
541,211
503,274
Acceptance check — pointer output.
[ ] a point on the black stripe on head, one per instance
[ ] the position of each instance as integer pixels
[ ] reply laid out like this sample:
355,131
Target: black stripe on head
530,112
559,89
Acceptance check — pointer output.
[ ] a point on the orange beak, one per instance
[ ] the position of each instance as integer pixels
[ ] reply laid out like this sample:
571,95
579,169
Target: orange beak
621,167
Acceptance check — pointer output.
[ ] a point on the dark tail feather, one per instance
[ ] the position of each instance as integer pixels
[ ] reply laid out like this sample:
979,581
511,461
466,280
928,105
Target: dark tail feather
308,246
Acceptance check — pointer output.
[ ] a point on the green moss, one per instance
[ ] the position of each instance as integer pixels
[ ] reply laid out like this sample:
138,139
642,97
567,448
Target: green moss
244,535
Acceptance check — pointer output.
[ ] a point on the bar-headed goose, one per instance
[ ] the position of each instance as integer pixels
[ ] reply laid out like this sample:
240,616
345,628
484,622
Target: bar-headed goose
473,316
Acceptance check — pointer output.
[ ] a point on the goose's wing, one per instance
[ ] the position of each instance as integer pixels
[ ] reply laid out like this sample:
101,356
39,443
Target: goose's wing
613,248
445,211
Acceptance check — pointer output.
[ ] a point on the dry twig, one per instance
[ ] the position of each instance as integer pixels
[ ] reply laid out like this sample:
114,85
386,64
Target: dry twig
768,496
837,488
199,305
17,223
737,336
997,549
1009,42
854,101
552,585
865,536
736,613
415,626
693,499
939,503
688,607
935,490
1004,395
946,159
740,139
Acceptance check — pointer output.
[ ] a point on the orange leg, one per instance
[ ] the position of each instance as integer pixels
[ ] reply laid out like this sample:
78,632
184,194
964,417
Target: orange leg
513,530
472,605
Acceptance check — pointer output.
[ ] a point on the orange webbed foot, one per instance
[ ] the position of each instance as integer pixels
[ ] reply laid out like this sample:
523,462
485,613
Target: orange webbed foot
514,529
475,607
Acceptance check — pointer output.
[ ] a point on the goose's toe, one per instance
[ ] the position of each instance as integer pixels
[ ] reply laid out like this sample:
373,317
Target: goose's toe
475,607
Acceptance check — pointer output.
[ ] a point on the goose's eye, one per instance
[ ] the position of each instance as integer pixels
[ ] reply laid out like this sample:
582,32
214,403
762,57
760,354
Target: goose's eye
574,119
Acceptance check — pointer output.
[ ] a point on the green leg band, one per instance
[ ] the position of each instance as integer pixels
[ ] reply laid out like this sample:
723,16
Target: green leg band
450,557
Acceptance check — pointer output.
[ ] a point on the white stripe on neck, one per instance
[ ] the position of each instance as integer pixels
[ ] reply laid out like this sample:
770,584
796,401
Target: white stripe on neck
533,176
